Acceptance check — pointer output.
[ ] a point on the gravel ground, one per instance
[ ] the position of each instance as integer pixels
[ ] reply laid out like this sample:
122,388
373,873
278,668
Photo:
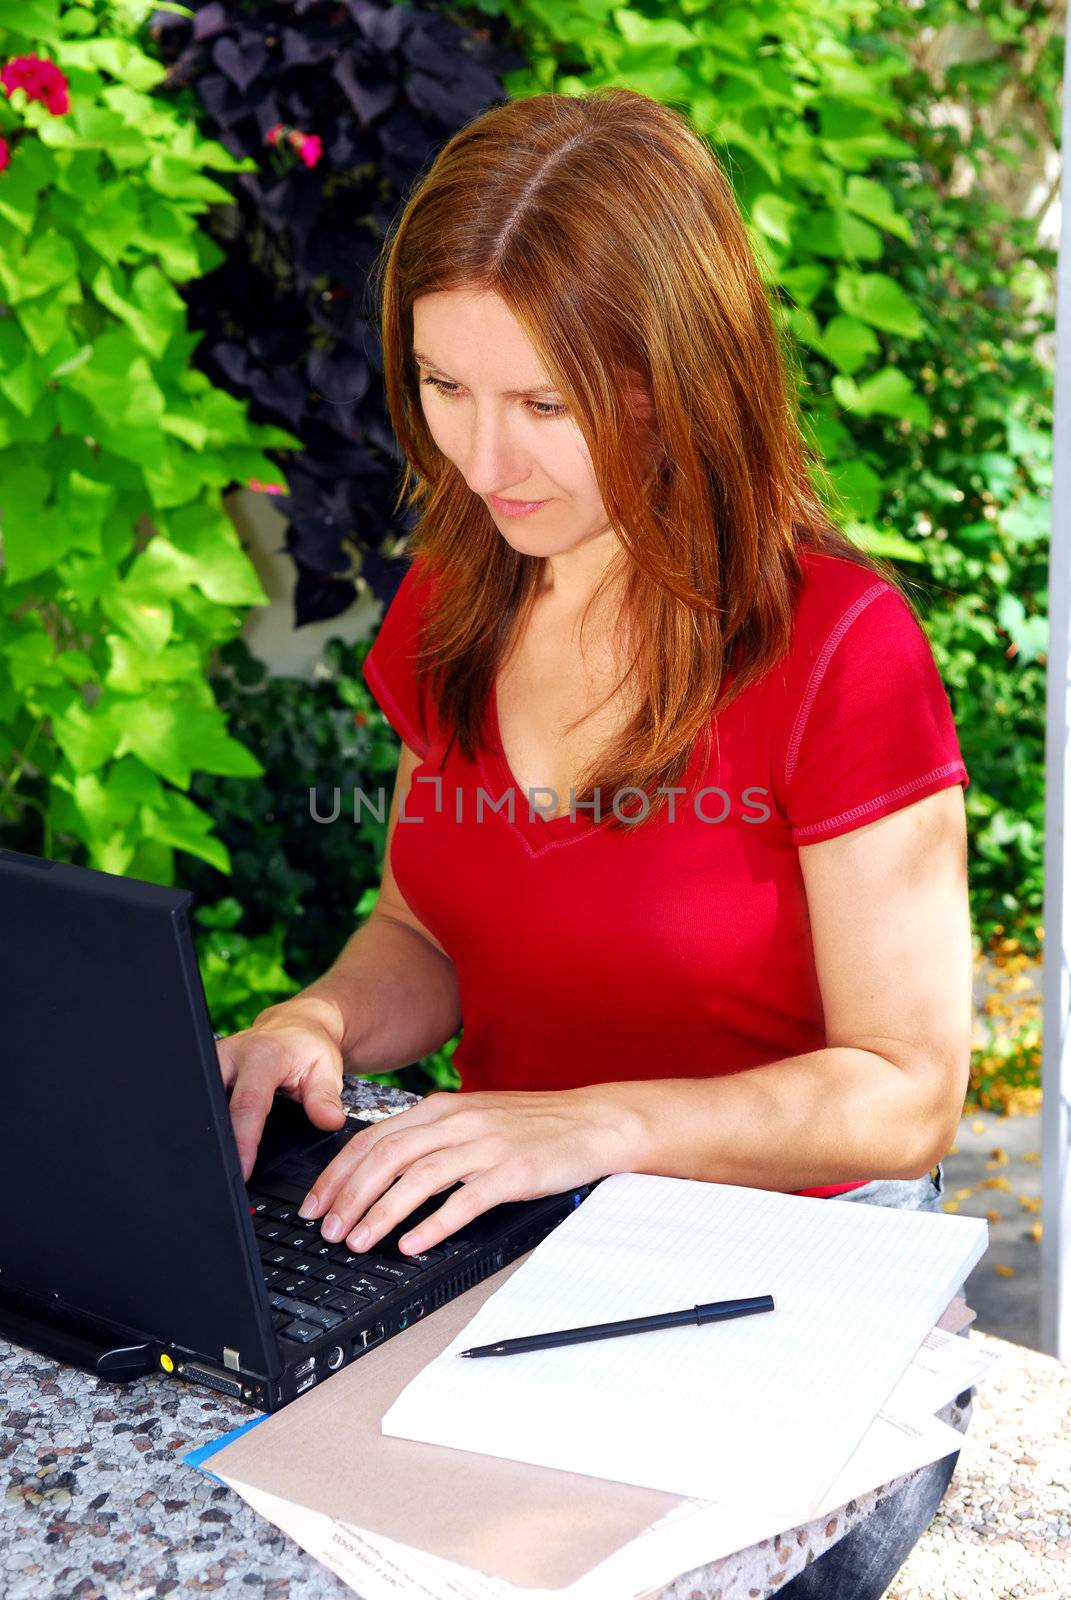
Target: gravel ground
1003,1530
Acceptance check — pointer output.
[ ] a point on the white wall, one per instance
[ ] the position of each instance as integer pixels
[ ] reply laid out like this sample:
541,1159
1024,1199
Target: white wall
269,630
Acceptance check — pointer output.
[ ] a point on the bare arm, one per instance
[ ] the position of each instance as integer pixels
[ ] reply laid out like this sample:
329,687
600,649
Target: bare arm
891,927
391,995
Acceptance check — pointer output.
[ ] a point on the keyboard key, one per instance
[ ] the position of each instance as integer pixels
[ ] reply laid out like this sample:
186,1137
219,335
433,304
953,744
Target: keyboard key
374,1288
295,1241
258,1207
277,1189
283,1302
348,1304
321,1252
268,1230
331,1274
287,1217
279,1319
323,1316
316,1293
426,1258
394,1270
347,1258
301,1332
376,1267
292,1261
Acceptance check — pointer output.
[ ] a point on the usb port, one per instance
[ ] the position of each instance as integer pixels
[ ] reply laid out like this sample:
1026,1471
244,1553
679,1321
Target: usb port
305,1366
306,1383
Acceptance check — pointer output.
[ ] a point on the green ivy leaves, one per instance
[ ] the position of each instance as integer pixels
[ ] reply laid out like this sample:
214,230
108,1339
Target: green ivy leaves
121,573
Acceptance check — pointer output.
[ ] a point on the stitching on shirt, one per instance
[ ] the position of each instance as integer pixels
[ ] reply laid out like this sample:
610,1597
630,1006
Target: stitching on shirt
515,827
872,805
819,670
385,695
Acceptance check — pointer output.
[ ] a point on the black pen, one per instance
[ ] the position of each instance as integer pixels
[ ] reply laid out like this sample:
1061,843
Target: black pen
714,1311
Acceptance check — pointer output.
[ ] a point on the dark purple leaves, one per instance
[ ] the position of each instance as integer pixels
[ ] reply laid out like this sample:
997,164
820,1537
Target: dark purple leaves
284,319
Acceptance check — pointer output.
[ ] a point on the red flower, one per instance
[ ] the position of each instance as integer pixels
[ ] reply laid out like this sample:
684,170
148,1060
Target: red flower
42,80
5,154
272,135
360,718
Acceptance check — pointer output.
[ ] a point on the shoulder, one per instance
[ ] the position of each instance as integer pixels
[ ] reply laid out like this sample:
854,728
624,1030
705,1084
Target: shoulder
414,589
836,591
848,622
408,608
847,610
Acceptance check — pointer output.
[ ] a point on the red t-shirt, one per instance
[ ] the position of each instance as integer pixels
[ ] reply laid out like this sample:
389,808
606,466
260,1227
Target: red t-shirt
680,948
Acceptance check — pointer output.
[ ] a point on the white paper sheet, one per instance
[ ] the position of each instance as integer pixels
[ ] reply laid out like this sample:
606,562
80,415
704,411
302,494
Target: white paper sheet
766,1409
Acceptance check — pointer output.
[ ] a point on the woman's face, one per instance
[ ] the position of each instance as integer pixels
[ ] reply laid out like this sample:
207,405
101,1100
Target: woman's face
491,410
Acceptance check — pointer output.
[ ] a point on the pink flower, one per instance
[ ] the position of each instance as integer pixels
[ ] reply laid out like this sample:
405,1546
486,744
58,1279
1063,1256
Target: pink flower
5,154
266,488
42,80
310,149
308,146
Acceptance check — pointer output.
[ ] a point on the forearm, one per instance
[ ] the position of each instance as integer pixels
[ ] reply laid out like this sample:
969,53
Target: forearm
836,1115
396,994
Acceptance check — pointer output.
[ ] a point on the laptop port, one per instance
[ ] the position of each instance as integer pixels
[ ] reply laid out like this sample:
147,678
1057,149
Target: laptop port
335,1357
368,1337
305,1366
210,1377
305,1383
411,1313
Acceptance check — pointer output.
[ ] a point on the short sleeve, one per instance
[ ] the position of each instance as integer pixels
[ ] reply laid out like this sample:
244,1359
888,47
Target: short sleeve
873,729
389,666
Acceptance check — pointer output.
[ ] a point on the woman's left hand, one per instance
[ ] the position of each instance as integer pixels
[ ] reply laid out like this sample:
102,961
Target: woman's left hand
508,1145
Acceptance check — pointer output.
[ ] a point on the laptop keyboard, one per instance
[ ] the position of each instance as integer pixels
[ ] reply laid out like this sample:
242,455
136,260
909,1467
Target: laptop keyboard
314,1285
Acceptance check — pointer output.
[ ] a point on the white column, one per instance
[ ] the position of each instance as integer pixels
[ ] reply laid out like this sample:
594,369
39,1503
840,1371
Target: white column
1056,1057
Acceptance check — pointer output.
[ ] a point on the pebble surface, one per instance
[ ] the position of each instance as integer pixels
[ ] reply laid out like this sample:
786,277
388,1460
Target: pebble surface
1003,1529
98,1503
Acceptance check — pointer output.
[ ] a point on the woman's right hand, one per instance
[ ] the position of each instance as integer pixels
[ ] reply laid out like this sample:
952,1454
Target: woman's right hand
294,1047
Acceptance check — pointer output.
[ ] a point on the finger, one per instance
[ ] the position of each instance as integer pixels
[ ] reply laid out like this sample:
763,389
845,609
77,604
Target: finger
389,1188
261,1070
321,1094
399,1203
227,1067
362,1170
250,1105
339,1170
484,1193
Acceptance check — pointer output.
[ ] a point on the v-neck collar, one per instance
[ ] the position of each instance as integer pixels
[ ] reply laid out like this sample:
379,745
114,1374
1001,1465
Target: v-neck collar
539,832
543,833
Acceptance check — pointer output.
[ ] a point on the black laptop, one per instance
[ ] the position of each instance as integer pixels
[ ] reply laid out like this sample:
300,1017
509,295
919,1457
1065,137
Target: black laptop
129,1242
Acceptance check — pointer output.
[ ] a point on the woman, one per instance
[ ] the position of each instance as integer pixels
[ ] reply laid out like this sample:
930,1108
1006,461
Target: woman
683,834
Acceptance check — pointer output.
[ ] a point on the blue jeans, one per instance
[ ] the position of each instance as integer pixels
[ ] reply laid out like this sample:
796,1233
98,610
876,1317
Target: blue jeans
862,1564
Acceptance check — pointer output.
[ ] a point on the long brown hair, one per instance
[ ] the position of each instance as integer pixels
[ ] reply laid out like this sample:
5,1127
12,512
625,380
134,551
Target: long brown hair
608,228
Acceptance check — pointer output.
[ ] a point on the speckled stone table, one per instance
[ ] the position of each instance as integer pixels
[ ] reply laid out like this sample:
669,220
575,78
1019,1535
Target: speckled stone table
100,1504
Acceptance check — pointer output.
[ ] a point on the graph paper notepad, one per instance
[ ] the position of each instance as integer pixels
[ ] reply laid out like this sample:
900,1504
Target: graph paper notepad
768,1406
